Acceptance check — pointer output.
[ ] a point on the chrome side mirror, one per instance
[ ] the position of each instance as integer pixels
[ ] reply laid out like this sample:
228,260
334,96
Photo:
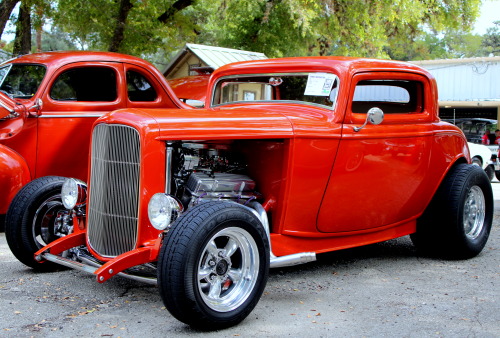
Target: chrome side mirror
37,107
374,116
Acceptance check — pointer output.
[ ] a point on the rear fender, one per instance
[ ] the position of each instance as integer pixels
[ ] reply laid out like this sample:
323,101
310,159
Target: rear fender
14,174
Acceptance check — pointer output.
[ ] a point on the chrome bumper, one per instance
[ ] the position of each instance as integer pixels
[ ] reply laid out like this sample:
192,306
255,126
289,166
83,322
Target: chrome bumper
92,267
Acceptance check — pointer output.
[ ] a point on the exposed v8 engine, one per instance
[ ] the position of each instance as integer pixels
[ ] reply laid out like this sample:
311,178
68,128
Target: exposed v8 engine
205,171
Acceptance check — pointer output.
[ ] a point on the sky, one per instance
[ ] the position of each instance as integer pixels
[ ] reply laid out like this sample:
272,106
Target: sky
490,11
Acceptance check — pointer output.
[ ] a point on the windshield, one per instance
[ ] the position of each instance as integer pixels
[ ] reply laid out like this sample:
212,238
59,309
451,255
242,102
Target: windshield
21,81
309,88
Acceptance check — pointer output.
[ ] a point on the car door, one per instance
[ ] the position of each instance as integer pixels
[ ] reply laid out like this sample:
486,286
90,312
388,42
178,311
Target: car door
379,171
76,96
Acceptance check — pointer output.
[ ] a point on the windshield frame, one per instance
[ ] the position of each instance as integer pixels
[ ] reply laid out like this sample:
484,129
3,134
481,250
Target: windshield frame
9,67
217,87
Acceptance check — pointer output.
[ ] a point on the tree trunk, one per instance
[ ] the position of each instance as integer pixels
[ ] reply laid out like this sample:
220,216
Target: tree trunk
177,6
38,39
6,8
22,41
121,21
126,6
39,28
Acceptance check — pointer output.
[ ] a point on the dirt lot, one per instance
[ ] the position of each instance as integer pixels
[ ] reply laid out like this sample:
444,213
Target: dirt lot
378,290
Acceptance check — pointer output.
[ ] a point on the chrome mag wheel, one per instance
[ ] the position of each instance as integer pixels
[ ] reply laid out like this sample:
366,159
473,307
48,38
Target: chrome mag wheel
228,269
474,212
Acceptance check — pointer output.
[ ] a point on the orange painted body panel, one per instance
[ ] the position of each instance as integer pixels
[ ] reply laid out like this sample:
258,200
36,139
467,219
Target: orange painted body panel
55,140
296,242
324,185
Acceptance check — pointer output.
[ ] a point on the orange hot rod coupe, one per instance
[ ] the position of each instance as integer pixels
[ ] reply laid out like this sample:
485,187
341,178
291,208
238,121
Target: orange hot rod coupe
289,158
49,102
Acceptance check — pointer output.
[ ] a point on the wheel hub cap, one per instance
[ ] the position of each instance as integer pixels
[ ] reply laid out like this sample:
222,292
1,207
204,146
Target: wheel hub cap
221,268
474,212
228,269
51,221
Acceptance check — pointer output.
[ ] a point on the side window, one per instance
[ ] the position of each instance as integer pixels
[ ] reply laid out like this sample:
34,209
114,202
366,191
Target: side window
392,96
139,88
85,84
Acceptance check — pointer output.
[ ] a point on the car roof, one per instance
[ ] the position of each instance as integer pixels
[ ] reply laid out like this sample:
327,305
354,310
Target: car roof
64,57
318,63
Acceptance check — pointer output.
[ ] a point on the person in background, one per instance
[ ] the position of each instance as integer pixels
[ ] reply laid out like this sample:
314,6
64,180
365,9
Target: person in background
486,137
497,136
493,137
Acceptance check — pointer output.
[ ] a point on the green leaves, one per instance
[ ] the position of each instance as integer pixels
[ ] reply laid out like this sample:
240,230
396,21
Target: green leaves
492,39
401,29
328,27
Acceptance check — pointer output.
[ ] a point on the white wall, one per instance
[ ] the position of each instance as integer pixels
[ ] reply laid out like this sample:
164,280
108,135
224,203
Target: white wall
475,79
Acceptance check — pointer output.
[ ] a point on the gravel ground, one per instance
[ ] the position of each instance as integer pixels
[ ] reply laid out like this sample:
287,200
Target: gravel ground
379,290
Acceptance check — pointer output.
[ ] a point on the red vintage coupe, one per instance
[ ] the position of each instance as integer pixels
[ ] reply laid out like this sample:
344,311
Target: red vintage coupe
289,158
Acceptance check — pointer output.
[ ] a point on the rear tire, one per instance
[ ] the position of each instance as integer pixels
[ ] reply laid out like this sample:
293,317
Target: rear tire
31,221
457,222
213,265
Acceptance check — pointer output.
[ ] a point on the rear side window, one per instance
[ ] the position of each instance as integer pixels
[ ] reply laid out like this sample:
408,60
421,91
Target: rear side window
392,96
86,84
139,88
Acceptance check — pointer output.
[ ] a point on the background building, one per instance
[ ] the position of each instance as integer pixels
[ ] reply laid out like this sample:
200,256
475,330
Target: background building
193,59
467,87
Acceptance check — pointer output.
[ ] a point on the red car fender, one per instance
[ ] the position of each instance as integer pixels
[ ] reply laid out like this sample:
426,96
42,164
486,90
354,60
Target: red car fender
14,174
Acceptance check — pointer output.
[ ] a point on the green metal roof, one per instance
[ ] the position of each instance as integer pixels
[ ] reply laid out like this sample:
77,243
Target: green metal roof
214,57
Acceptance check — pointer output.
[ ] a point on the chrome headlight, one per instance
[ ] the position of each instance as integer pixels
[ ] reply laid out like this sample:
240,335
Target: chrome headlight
73,193
163,210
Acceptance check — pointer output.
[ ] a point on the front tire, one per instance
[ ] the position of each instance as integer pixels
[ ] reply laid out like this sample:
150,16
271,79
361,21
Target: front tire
213,265
32,220
458,221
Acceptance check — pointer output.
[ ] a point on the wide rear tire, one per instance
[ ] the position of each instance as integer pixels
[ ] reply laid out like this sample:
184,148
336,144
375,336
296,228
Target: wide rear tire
213,265
458,221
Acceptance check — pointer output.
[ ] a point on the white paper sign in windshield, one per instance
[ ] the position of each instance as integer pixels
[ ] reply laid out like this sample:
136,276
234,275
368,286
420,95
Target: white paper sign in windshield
319,84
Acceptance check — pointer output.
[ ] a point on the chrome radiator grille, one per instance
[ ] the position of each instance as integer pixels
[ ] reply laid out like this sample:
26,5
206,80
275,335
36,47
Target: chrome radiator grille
114,189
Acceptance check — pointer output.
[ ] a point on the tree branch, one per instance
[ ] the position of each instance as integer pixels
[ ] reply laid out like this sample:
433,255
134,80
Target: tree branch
6,7
177,6
121,21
